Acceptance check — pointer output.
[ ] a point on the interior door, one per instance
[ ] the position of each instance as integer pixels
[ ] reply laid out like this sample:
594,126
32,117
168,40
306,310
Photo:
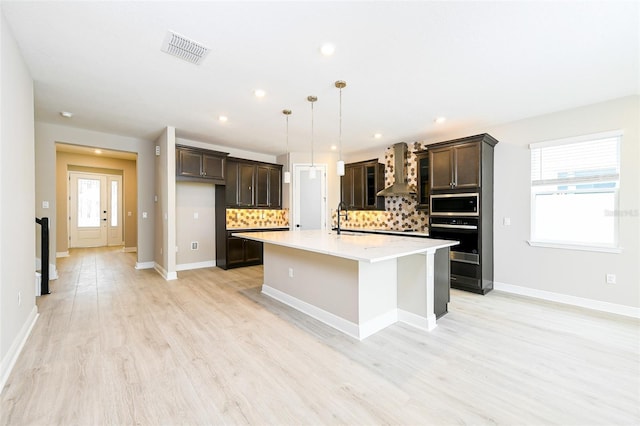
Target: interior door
95,210
310,200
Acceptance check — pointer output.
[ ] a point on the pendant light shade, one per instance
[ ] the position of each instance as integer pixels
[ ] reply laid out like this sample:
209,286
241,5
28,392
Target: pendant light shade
312,171
287,173
340,84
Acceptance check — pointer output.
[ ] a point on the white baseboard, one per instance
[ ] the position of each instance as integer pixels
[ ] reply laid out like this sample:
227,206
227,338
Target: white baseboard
196,265
349,328
416,320
9,360
378,323
145,265
341,324
613,308
169,276
130,249
62,254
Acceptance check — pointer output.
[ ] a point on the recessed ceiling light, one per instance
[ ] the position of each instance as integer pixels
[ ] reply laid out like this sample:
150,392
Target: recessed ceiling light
377,135
259,93
223,118
66,114
97,151
327,49
440,120
333,147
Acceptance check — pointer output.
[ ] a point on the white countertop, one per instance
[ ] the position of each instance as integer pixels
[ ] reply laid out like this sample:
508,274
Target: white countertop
355,246
250,228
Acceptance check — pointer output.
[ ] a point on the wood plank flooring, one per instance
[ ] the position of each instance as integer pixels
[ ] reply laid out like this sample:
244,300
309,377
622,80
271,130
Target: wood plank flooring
118,346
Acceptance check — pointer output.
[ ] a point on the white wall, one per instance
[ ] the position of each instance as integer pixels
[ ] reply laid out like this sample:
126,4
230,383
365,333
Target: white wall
18,310
46,137
195,198
569,272
165,205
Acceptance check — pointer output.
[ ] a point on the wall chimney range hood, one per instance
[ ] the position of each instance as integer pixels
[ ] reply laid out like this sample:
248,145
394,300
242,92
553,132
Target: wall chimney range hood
400,185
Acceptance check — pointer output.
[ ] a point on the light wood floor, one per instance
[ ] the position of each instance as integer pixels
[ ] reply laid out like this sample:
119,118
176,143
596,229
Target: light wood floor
114,345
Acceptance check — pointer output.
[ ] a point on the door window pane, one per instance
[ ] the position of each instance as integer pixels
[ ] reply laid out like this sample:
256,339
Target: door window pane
88,203
114,203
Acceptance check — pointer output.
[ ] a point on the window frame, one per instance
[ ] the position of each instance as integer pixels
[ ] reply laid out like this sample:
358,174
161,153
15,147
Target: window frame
615,190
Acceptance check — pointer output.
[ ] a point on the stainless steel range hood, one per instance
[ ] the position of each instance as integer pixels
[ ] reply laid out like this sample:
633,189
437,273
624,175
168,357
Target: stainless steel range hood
400,185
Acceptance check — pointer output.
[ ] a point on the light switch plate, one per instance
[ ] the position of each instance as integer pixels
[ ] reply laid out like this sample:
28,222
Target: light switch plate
45,204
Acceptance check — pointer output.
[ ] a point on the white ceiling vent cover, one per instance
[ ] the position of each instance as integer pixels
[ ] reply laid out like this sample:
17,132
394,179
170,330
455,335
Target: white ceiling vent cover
184,48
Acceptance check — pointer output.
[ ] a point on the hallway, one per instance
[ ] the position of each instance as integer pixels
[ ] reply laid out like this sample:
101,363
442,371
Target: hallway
116,345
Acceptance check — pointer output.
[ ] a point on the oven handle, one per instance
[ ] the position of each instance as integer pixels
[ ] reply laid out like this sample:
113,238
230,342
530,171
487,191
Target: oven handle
440,225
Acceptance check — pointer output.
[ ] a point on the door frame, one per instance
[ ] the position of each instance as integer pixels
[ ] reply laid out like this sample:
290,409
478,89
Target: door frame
108,178
321,170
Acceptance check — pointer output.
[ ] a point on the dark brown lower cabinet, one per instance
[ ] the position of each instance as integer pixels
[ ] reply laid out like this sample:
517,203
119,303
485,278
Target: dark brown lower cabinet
234,252
243,252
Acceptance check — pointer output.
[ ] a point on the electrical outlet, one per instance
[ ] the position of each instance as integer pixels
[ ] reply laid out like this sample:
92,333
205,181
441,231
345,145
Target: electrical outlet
194,245
290,272
196,215
19,298
611,278
506,221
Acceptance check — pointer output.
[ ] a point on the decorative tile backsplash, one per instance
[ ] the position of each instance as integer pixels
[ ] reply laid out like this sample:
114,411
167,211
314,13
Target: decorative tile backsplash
257,218
400,211
403,208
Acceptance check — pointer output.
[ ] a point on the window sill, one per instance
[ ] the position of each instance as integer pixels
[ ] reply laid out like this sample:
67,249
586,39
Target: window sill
575,247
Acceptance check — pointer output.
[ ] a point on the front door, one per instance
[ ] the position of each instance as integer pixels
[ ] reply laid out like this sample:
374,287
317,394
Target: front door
95,210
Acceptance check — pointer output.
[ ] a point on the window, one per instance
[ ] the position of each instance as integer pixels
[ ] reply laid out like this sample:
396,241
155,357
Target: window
574,192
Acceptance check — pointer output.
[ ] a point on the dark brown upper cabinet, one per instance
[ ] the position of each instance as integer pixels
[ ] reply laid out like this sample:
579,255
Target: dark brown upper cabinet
200,165
422,164
253,184
360,184
458,164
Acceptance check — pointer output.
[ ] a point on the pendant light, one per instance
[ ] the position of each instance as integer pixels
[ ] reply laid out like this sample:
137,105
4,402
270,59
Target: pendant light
287,173
312,171
340,84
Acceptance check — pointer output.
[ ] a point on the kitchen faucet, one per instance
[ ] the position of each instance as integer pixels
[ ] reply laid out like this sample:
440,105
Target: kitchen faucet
342,205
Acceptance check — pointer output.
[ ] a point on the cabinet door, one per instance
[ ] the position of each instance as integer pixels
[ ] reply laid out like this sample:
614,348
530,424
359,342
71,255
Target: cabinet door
246,183
370,186
358,187
235,250
231,184
252,251
275,187
422,160
189,163
441,168
212,167
347,186
262,186
467,169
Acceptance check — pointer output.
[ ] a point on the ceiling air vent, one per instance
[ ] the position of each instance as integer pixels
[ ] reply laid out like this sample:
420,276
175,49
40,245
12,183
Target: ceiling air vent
184,48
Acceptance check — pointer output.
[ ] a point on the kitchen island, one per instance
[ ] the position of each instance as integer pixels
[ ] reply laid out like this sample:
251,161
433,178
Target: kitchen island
357,283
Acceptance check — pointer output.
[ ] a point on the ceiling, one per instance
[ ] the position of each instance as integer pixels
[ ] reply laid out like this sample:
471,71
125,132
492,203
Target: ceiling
479,64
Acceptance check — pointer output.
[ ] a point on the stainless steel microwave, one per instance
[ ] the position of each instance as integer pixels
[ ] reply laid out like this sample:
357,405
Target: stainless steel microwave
459,204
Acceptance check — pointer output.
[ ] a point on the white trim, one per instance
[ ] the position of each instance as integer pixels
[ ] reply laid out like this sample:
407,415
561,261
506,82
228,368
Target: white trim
378,323
169,276
62,254
416,320
341,324
9,360
129,249
145,265
574,247
576,139
196,265
597,305
53,272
